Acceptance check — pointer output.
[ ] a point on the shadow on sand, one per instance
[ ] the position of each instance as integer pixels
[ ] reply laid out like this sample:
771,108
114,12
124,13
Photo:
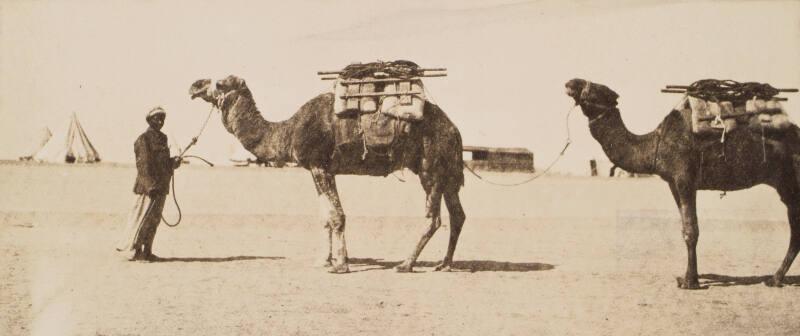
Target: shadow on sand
213,260
458,266
727,280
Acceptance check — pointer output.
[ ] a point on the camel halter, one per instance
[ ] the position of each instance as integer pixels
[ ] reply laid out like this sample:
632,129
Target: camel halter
585,91
582,101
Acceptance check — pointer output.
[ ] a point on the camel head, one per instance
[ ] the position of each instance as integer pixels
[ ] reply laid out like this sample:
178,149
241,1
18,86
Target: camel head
202,88
216,93
587,93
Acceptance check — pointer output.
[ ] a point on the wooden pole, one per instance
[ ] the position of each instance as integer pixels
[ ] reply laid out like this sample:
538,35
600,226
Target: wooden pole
320,73
379,94
686,87
735,115
381,80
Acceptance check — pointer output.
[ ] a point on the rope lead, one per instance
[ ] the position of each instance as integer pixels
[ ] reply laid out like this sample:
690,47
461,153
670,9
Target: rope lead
180,157
567,142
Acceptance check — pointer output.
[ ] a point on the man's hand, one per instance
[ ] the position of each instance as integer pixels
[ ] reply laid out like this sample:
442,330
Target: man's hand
153,192
176,162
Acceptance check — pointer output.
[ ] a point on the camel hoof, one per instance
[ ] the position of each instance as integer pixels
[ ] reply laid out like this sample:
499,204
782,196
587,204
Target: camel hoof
339,269
684,284
325,263
773,283
404,268
442,268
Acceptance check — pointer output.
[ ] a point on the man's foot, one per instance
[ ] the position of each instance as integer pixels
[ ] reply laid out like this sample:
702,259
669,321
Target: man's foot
137,255
126,256
150,257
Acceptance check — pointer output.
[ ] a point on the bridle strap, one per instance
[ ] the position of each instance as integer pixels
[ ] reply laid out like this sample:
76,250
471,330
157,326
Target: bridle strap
603,114
582,99
585,91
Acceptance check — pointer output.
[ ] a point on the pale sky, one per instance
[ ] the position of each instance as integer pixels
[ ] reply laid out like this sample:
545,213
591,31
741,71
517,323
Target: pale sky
111,61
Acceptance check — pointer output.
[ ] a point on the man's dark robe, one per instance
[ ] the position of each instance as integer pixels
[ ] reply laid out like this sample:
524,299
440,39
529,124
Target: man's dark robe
153,164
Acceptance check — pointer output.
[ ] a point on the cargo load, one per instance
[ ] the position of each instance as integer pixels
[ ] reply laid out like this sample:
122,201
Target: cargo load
376,103
721,106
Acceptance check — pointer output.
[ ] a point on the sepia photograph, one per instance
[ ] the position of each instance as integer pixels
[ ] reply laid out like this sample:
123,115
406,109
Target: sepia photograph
406,167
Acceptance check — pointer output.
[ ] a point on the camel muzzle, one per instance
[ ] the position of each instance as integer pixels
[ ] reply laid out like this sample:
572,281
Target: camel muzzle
199,88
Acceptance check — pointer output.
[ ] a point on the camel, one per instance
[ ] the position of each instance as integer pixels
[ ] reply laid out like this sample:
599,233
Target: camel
689,163
432,149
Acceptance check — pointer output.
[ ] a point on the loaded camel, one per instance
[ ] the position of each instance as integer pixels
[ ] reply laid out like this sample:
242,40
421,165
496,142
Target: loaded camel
689,164
431,150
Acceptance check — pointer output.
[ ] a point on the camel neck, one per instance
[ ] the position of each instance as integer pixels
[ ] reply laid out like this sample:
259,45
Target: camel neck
631,152
263,138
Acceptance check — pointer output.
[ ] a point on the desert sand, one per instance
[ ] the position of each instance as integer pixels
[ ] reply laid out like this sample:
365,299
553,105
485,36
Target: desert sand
559,256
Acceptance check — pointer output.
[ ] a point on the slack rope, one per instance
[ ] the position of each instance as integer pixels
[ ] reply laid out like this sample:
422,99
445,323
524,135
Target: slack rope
180,157
567,142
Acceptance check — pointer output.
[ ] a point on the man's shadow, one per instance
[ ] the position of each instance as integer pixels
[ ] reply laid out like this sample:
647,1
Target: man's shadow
214,259
727,280
458,266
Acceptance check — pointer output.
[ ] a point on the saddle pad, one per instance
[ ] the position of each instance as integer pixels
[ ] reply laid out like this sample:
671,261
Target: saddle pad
376,129
379,129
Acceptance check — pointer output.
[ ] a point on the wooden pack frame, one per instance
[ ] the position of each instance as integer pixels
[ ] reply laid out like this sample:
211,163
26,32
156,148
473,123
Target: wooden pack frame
401,97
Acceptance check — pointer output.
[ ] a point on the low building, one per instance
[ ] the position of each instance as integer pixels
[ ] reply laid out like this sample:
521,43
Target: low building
498,159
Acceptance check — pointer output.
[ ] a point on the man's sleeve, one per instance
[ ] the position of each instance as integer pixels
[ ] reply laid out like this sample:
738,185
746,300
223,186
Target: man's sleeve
144,163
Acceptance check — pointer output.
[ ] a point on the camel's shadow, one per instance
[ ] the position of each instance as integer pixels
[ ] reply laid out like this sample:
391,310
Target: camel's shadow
458,266
717,280
215,259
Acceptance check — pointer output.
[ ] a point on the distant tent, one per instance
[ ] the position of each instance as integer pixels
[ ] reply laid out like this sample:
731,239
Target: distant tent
69,143
38,141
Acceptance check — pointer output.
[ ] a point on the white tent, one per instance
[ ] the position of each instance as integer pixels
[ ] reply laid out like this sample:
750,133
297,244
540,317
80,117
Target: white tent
37,141
69,143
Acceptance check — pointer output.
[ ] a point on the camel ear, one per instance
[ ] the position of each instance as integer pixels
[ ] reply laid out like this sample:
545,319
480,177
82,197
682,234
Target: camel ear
240,83
608,95
612,95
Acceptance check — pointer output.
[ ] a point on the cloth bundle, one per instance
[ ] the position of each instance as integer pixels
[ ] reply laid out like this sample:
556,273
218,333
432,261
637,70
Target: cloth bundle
401,99
393,88
757,114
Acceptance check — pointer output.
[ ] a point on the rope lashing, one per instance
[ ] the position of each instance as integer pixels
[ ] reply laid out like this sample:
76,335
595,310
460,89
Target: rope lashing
728,90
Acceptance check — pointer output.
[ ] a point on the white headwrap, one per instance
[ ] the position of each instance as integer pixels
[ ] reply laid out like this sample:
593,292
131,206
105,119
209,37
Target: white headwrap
154,111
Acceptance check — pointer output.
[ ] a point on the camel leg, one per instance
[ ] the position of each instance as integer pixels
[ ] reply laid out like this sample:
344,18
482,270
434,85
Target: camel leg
325,259
457,218
686,197
433,214
334,219
789,196
324,215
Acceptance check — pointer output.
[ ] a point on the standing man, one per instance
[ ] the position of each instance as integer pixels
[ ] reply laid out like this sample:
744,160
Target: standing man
154,169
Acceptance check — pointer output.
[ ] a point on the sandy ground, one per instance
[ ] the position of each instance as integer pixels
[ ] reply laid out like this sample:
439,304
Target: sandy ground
559,256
